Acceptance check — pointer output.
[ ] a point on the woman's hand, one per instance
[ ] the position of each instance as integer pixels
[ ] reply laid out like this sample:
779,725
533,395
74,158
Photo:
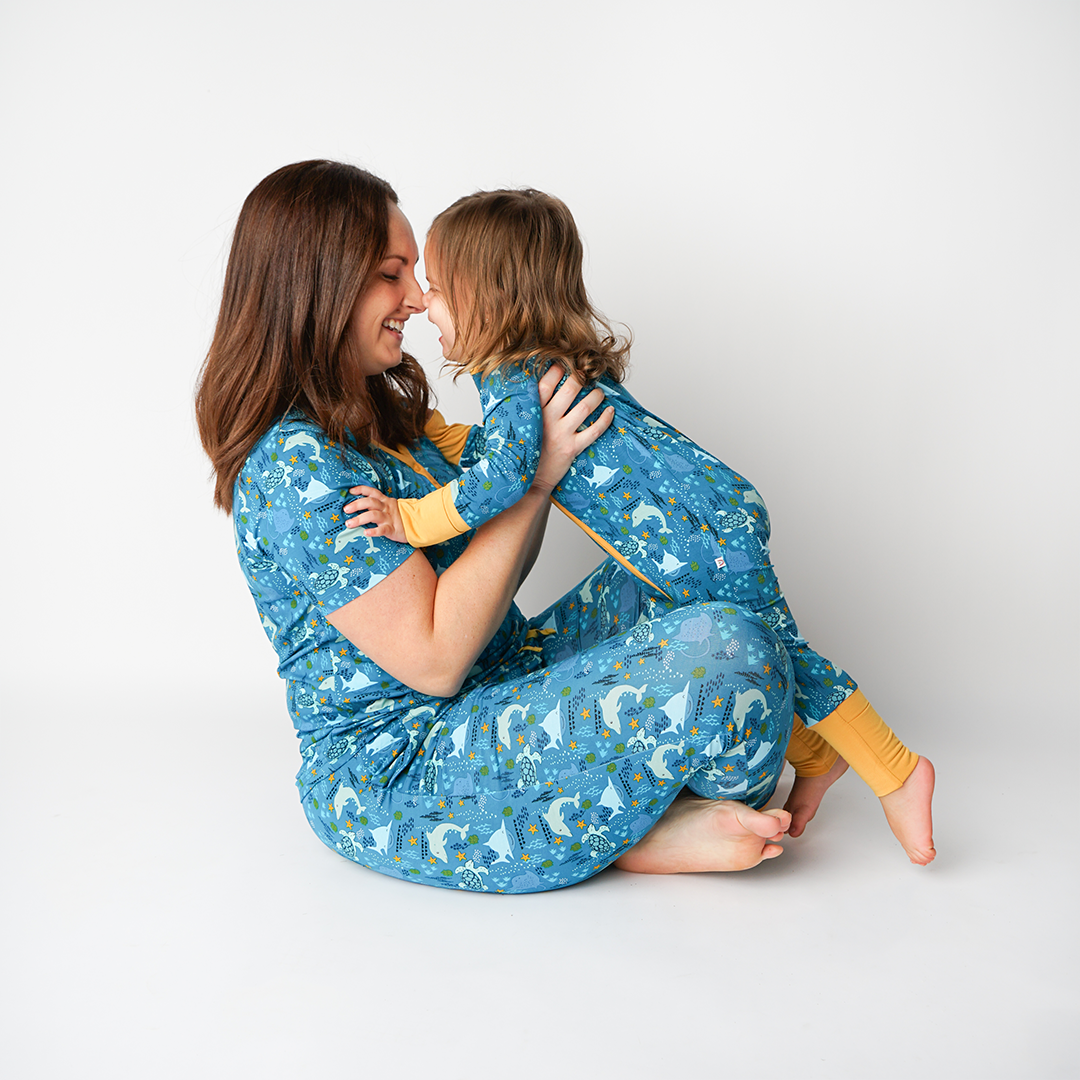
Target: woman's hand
376,513
563,440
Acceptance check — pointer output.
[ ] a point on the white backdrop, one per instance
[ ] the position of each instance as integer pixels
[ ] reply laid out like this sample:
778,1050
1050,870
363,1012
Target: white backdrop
845,236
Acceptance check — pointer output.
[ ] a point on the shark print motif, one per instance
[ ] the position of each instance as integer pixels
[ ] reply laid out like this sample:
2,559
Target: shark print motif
572,734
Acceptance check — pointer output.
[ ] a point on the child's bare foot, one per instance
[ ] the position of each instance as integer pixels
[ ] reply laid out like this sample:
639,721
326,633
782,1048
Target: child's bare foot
707,834
807,793
908,811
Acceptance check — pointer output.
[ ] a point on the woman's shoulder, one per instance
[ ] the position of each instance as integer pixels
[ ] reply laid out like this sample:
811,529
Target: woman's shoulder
286,436
295,447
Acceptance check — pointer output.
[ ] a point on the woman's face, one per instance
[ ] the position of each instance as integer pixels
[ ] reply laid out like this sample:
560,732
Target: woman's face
381,310
437,311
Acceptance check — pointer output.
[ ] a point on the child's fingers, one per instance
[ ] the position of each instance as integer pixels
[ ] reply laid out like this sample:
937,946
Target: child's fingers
382,529
365,522
372,499
368,511
370,495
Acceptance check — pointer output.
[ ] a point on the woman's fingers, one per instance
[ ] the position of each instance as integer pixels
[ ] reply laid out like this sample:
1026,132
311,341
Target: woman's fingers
549,381
560,404
587,436
562,399
590,402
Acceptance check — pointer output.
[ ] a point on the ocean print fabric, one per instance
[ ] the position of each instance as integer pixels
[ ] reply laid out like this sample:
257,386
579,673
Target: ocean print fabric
301,562
571,735
675,513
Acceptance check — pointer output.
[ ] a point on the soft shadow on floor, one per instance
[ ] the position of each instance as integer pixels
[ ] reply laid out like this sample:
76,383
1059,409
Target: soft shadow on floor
170,911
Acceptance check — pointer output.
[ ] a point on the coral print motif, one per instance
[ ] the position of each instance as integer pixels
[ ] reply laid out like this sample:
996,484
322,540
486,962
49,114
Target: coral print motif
570,737
683,522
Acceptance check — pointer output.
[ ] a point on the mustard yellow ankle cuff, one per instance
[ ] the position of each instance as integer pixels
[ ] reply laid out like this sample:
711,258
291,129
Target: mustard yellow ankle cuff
868,744
808,753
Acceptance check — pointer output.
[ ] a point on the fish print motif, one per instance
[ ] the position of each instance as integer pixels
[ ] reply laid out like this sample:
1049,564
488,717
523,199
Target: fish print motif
569,738
680,519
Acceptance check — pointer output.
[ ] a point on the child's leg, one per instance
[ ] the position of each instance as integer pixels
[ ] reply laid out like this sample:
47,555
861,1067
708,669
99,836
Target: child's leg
867,743
808,753
902,779
695,530
848,730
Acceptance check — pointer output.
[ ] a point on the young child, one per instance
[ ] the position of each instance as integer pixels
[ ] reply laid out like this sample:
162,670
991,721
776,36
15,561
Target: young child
507,294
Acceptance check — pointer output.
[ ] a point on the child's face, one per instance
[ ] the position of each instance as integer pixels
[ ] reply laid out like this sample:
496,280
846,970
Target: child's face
437,310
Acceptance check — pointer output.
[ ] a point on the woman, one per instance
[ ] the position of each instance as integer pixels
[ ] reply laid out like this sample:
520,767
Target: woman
445,739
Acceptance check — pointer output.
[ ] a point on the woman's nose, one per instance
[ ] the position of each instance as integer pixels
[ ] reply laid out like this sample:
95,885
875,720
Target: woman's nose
414,295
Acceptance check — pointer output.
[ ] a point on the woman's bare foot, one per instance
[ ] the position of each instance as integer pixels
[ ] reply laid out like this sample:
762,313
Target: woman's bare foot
908,811
707,834
807,793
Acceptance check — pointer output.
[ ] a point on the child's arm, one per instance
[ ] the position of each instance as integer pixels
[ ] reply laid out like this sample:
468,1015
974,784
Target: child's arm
506,451
506,448
452,439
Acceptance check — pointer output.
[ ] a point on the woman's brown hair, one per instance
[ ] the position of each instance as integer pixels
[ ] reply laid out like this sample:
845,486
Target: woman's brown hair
509,264
308,240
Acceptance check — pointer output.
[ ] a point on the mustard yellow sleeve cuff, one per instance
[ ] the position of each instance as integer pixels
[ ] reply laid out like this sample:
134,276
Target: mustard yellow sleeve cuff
432,519
449,438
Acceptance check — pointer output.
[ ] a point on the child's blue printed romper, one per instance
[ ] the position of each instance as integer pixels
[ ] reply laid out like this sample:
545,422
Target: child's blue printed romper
571,735
668,510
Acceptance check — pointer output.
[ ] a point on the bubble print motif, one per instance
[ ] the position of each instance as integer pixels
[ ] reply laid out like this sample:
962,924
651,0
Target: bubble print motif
572,735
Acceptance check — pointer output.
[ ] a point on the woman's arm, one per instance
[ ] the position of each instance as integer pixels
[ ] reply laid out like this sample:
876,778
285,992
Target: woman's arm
427,631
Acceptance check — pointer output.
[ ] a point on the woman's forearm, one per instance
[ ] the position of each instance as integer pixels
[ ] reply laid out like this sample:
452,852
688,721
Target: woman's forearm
537,541
470,606
427,631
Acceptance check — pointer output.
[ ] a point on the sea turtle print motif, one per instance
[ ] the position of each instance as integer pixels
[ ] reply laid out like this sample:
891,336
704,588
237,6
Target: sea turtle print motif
679,518
567,741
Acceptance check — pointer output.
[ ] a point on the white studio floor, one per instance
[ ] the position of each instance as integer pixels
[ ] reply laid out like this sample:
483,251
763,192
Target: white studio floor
154,935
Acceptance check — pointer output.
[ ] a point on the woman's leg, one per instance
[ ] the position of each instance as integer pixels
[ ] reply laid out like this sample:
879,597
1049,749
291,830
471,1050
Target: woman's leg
538,782
693,834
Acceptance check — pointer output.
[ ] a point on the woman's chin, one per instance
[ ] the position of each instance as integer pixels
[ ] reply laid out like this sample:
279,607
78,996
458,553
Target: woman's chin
380,367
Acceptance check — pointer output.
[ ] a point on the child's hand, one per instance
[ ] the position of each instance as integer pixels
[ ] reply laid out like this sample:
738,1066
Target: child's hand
376,513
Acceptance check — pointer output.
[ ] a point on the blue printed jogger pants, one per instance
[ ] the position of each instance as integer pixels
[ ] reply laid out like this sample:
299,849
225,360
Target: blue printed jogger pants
546,770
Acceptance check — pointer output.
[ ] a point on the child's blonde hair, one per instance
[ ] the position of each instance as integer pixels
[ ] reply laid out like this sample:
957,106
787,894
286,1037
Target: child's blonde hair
509,267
